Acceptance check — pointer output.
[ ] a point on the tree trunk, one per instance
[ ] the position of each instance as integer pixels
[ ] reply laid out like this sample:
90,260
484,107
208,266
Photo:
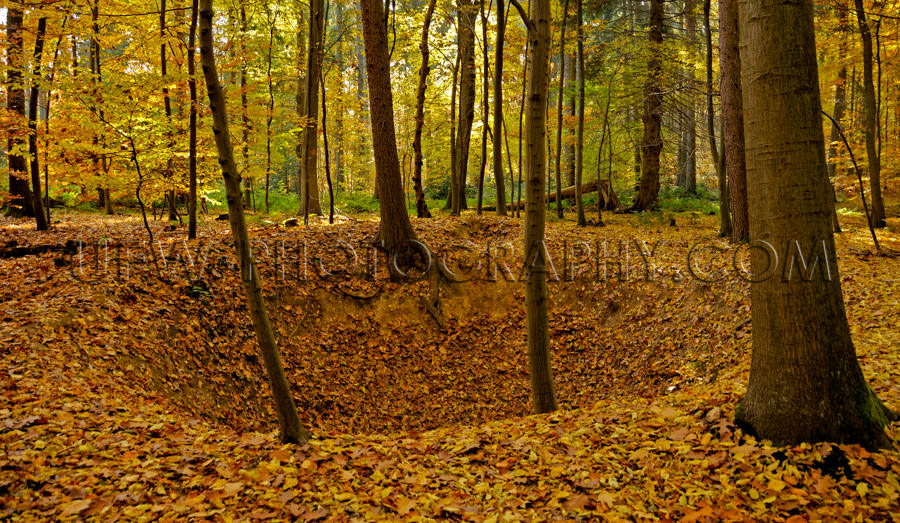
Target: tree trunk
717,159
192,131
291,430
452,199
421,207
498,110
270,107
871,118
20,203
300,98
690,117
733,117
40,217
651,144
485,104
167,104
309,185
395,231
805,381
571,80
245,116
579,133
537,261
466,26
521,140
560,96
840,107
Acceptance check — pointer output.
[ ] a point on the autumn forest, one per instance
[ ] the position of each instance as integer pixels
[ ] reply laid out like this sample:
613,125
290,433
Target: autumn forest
482,260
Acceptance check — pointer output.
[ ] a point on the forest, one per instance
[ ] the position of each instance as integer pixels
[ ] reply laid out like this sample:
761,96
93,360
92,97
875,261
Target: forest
591,260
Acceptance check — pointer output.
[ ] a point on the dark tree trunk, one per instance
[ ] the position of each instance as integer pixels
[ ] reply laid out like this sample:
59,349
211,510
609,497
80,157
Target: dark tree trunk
498,111
651,144
309,185
289,422
579,133
840,107
300,98
270,107
871,117
21,203
718,159
571,110
560,97
395,230
40,217
167,104
192,131
485,104
466,26
805,381
452,199
733,118
421,207
689,125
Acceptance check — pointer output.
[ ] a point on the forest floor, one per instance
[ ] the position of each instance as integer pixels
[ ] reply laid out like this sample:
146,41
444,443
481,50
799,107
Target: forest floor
136,393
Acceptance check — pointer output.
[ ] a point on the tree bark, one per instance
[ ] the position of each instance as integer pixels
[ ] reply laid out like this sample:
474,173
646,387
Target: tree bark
395,231
192,125
733,118
300,98
21,203
651,143
579,132
167,104
840,107
717,159
421,207
871,117
245,116
452,200
485,104
270,107
39,216
536,262
560,96
466,27
689,180
805,381
289,422
309,185
498,110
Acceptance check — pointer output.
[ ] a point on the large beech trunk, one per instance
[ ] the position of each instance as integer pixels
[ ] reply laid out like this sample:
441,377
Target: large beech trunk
805,381
466,27
291,430
395,230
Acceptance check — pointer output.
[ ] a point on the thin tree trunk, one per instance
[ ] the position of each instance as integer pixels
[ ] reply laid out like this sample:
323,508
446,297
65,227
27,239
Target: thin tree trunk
21,202
309,191
840,106
805,381
522,113
245,115
733,118
300,99
690,119
498,111
394,231
421,207
39,216
325,142
560,96
651,144
291,430
871,117
453,195
485,103
192,125
537,260
167,104
717,159
270,108
49,98
579,133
